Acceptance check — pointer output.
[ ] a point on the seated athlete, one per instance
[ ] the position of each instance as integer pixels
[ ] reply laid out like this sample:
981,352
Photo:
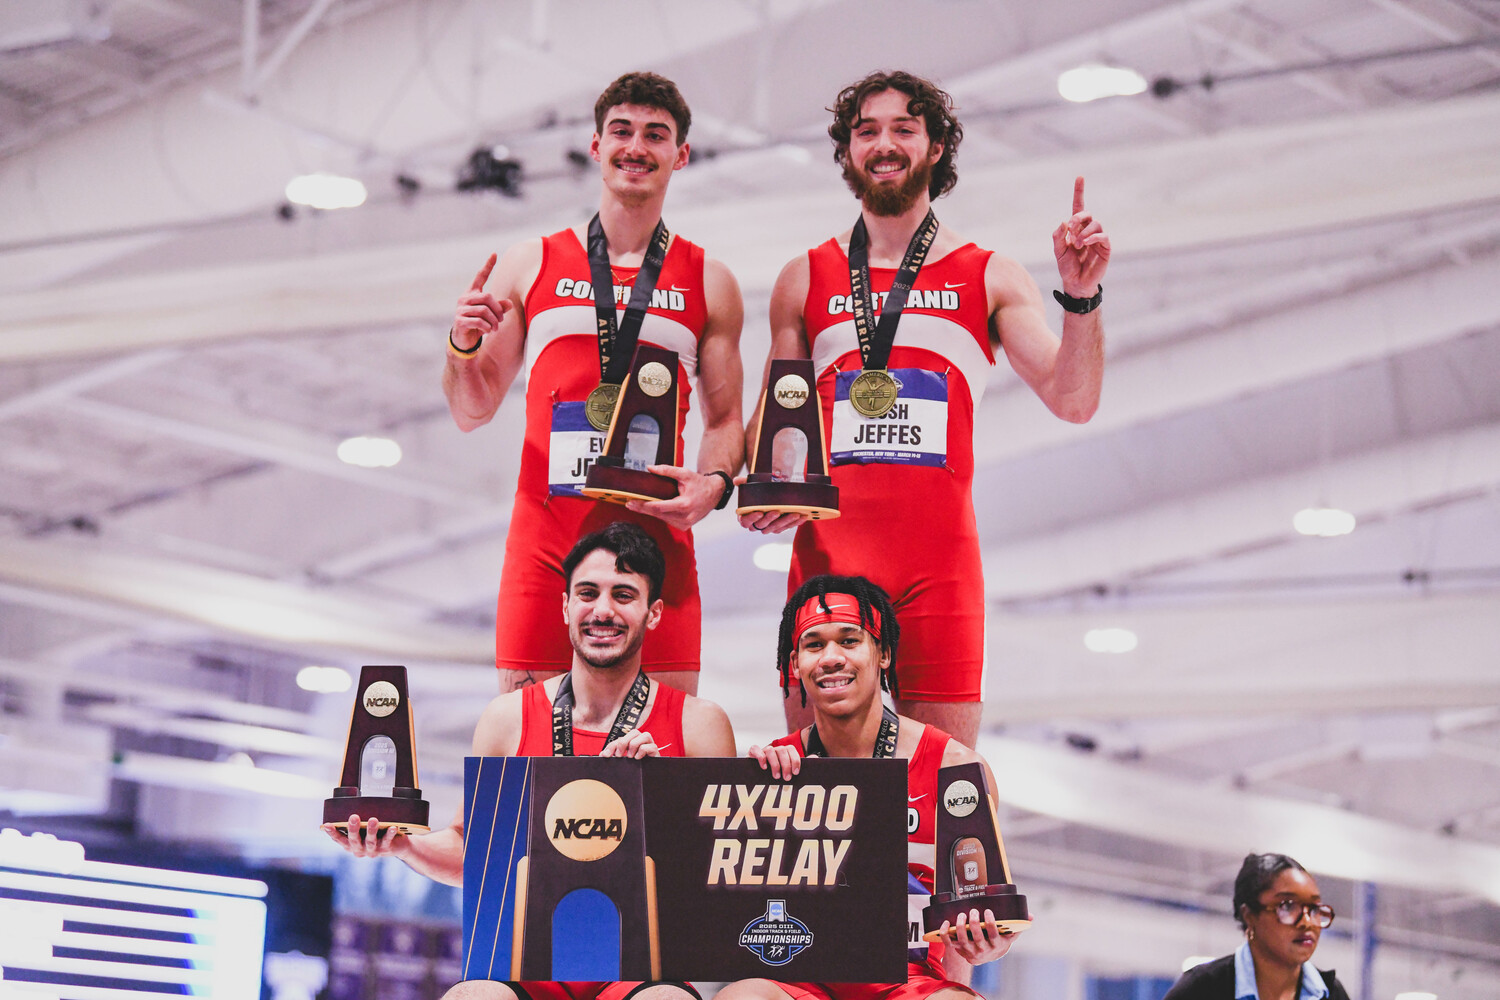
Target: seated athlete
613,598
839,637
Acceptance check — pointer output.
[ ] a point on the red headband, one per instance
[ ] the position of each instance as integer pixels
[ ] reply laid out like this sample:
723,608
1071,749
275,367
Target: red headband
843,608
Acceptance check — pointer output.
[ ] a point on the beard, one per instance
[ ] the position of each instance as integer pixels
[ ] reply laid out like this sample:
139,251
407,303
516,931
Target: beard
882,197
602,659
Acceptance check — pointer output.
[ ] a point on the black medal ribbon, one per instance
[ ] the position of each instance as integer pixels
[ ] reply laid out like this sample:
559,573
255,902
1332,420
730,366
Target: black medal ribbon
885,740
628,718
875,340
617,336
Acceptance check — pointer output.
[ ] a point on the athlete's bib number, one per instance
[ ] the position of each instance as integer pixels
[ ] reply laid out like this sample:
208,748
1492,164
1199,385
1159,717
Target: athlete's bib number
573,448
913,432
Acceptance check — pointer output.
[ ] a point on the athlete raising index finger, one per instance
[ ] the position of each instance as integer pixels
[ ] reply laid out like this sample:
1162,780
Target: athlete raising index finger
902,318
562,307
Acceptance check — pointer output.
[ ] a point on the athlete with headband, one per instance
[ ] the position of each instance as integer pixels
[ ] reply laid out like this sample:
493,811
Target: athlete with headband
839,638
902,318
553,305
605,705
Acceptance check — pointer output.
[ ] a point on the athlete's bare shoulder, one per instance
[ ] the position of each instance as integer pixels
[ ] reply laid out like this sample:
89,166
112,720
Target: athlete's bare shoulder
719,284
955,752
498,733
706,730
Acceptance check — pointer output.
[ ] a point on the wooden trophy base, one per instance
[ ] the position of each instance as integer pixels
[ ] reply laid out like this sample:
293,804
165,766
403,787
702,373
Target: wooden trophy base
406,812
617,484
817,501
1009,908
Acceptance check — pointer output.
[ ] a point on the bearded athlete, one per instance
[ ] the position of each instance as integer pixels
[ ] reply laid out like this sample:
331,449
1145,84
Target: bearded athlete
613,599
900,377
545,309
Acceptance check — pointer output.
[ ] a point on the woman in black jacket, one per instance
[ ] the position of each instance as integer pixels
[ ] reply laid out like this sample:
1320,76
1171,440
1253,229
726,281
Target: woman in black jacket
1277,904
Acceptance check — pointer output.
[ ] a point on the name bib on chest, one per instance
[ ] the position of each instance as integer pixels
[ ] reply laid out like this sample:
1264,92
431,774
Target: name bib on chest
917,899
913,432
572,449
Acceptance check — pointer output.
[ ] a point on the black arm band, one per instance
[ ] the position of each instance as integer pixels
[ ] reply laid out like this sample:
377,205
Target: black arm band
459,350
728,488
1077,305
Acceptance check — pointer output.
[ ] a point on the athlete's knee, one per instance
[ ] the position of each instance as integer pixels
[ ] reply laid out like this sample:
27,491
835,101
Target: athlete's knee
480,989
663,991
752,989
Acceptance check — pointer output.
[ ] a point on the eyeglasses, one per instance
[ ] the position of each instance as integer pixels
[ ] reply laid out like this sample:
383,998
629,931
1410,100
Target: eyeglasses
1289,911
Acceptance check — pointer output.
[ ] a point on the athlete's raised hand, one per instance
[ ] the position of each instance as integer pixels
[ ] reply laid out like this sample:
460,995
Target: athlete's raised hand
478,312
1082,249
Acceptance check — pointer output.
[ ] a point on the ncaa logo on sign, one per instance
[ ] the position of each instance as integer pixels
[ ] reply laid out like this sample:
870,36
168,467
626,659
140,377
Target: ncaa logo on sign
961,798
381,699
585,820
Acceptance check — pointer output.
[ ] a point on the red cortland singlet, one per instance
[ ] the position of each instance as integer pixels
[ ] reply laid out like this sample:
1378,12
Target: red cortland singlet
906,479
550,512
664,724
924,970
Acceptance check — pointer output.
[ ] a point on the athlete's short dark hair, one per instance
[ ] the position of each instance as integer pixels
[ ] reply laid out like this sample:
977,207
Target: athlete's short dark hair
926,100
873,604
633,549
648,90
1257,872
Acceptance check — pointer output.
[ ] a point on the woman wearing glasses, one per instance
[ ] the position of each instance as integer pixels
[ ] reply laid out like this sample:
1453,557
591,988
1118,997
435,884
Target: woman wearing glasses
1277,904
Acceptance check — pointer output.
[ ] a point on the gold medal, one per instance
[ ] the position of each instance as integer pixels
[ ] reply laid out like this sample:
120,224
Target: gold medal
600,406
873,392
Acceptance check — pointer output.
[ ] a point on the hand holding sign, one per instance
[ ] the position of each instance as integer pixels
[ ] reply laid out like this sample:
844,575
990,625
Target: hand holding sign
1082,249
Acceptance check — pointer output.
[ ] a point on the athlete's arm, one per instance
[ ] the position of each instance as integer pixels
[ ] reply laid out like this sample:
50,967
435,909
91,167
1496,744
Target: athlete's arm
1067,375
476,384
706,731
788,340
721,383
438,854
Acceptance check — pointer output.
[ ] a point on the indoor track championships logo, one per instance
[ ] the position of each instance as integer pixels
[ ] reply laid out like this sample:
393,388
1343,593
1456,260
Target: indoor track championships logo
776,937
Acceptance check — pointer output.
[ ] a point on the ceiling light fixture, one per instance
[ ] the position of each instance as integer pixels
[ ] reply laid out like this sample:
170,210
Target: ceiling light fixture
1092,81
774,556
370,452
326,191
1110,640
324,680
1323,522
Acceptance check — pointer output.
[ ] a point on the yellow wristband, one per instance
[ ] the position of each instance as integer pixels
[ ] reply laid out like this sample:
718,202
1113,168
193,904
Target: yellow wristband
459,350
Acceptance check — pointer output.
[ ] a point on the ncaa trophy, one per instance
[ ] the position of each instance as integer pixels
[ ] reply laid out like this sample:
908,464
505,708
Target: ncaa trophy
380,764
650,393
791,402
969,848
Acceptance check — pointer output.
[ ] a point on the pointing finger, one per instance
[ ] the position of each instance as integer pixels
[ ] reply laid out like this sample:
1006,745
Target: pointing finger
1077,195
489,265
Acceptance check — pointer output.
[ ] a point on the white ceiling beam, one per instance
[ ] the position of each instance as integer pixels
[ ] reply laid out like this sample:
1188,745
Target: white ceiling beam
281,613
1157,198
1329,335
1445,20
232,735
1313,658
281,445
1257,42
1194,529
1203,816
58,393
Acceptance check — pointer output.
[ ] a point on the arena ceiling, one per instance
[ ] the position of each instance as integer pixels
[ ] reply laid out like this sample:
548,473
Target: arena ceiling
1301,313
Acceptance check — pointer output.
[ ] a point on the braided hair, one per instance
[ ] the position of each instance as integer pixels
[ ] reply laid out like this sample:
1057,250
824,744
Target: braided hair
873,605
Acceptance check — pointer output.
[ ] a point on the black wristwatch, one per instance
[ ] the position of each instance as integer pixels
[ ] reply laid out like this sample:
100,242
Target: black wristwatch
1074,304
728,488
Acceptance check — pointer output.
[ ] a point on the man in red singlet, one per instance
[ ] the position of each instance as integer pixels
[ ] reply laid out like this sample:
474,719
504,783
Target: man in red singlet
613,598
543,310
900,380
839,637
